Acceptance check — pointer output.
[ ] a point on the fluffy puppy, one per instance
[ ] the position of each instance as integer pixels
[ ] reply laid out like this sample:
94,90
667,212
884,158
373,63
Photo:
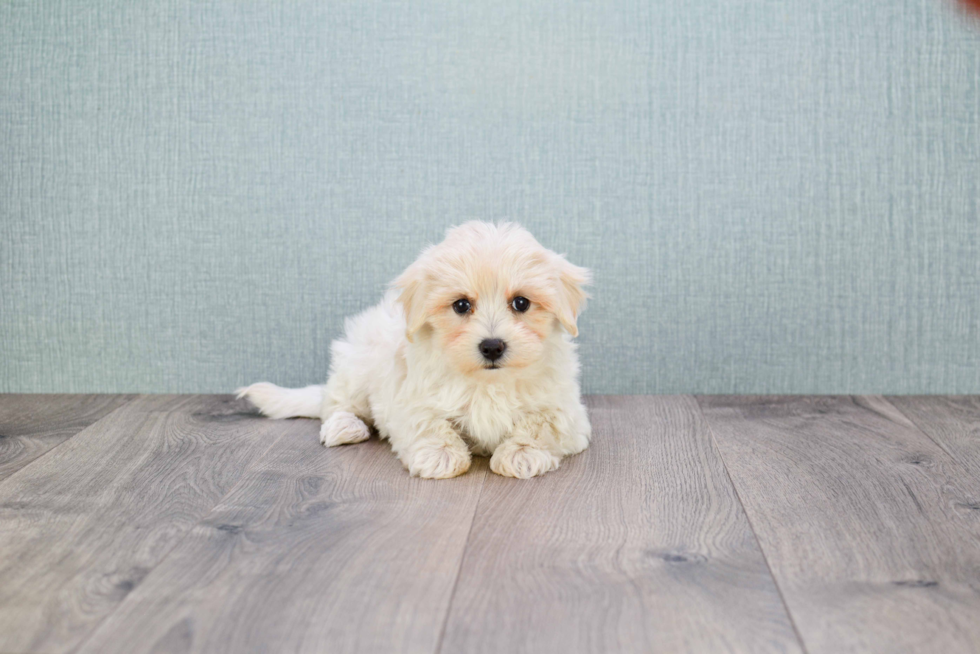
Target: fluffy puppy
470,351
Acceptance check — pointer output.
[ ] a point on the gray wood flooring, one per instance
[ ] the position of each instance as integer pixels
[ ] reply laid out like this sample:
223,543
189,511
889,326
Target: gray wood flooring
710,524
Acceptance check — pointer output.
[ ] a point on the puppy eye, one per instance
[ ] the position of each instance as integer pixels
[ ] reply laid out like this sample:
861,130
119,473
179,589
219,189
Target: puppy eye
461,306
520,304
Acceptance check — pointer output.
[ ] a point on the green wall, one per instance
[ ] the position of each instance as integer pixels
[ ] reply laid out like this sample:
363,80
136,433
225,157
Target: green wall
774,196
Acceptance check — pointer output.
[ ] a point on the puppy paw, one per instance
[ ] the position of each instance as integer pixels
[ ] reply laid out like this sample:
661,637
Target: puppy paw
439,460
342,428
522,461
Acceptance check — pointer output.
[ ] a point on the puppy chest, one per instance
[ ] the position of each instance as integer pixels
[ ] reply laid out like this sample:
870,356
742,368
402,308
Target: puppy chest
487,421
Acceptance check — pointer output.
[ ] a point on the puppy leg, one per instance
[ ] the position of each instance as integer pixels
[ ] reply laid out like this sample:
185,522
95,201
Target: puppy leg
535,447
436,451
345,413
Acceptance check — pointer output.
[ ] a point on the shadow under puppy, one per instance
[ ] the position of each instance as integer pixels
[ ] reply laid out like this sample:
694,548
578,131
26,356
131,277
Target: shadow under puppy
470,350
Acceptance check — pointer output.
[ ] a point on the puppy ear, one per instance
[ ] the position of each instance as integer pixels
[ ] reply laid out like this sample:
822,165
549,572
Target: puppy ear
572,296
412,284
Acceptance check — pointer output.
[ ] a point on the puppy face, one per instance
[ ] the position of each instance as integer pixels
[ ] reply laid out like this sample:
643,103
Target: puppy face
491,295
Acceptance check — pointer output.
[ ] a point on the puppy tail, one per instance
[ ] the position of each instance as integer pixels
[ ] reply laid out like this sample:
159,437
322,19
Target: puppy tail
277,402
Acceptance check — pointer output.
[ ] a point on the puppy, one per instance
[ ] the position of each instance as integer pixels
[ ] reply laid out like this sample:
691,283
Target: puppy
470,351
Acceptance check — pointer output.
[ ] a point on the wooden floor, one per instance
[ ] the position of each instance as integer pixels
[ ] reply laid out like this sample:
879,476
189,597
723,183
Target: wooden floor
739,524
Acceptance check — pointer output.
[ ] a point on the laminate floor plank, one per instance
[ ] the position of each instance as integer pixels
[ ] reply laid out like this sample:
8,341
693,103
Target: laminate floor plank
638,544
865,522
31,425
81,527
953,422
315,550
187,523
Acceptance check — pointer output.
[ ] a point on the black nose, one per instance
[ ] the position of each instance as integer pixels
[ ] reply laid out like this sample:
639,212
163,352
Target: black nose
492,348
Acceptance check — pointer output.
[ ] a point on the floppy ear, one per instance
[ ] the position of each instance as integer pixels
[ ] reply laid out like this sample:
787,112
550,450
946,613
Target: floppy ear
571,295
412,285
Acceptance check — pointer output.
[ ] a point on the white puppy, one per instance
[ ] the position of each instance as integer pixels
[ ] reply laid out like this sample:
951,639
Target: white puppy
470,350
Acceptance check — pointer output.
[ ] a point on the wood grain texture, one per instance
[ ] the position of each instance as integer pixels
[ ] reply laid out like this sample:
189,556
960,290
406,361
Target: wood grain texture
953,422
81,527
638,544
31,425
316,550
864,521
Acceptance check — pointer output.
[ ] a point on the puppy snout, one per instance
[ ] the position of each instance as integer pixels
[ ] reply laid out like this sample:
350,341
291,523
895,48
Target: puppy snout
492,348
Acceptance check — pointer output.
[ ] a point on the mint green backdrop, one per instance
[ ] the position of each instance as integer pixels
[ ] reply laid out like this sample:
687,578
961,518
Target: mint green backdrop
775,196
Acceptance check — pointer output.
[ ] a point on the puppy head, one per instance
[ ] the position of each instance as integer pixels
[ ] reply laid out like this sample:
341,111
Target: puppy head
490,296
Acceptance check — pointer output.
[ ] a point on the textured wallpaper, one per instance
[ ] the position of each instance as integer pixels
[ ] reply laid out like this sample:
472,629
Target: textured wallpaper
774,196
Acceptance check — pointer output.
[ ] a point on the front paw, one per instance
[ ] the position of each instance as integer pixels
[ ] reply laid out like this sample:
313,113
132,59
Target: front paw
439,460
522,461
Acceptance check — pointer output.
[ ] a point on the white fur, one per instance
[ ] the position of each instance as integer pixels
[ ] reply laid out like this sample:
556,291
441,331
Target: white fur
343,428
410,367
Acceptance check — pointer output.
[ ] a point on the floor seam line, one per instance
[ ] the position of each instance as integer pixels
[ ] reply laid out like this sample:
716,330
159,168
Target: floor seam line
918,427
462,559
177,543
86,428
755,535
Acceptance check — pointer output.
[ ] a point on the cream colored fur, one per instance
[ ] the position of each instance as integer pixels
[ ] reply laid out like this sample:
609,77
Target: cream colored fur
411,368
